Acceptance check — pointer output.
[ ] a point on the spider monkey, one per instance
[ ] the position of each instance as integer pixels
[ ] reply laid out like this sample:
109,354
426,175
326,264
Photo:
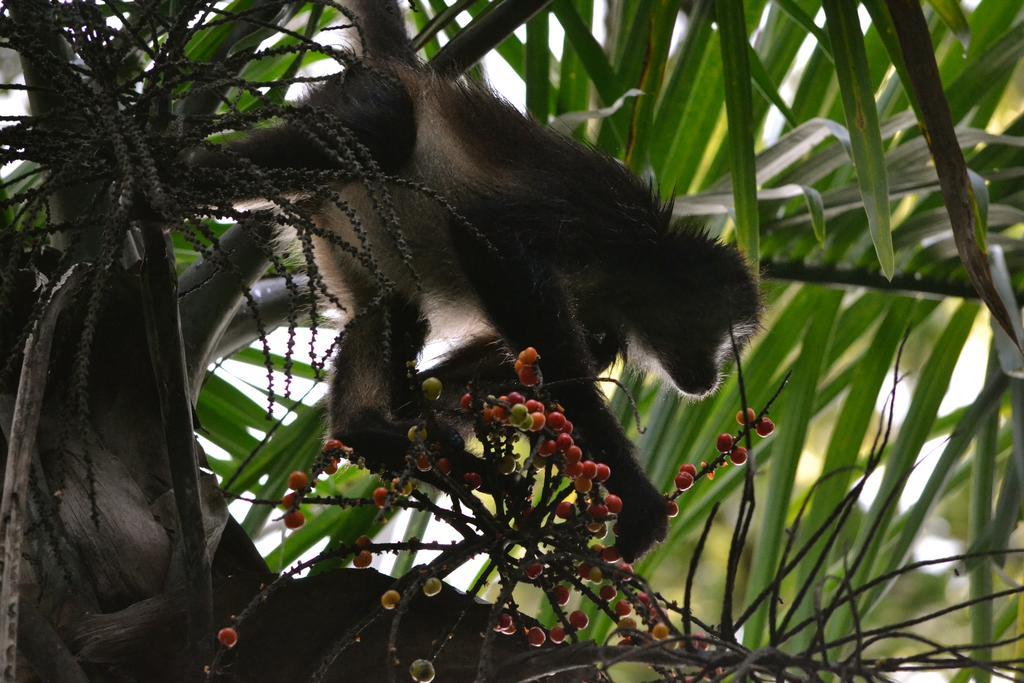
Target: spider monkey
579,260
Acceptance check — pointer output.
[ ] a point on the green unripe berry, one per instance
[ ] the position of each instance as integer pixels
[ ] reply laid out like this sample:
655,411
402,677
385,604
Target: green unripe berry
421,671
432,388
508,464
518,414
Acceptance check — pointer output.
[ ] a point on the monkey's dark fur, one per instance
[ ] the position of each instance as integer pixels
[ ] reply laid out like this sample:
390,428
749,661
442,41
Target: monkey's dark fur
581,263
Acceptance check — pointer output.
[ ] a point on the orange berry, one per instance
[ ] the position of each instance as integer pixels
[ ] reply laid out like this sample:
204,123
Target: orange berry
288,502
660,631
751,417
363,559
380,496
227,637
529,356
294,519
363,541
538,421
332,466
583,485
298,480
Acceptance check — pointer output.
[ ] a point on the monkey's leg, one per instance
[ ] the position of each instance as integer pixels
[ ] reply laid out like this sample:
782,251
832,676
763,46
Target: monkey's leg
374,400
538,314
370,377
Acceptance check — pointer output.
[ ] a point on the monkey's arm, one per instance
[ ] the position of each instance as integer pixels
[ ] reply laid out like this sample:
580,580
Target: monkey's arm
360,121
524,300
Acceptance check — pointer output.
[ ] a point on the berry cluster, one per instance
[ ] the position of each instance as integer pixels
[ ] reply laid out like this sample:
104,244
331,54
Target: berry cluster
729,451
531,501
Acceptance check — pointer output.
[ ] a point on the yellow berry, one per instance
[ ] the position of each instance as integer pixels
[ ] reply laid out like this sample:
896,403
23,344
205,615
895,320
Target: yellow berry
390,599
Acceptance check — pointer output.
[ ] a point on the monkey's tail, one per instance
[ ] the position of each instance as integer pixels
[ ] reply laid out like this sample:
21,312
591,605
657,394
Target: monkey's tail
382,29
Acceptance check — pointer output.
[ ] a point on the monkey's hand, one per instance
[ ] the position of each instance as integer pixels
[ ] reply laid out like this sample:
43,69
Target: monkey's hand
643,520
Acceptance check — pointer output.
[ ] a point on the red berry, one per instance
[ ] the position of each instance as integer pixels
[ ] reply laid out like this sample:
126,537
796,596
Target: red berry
561,595
534,570
227,637
626,567
466,402
689,469
298,481
724,443
583,570
547,448
671,508
622,608
556,420
288,502
556,634
529,356
608,592
684,480
472,480
739,455
332,466
750,419
294,519
589,469
363,559
574,470
603,472
504,622
610,554
644,598
535,636
528,377
534,406
443,466
564,509
579,620
765,426
363,541
332,445
564,442
598,511
573,453
568,427
498,413
515,397
423,463
614,503
380,496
